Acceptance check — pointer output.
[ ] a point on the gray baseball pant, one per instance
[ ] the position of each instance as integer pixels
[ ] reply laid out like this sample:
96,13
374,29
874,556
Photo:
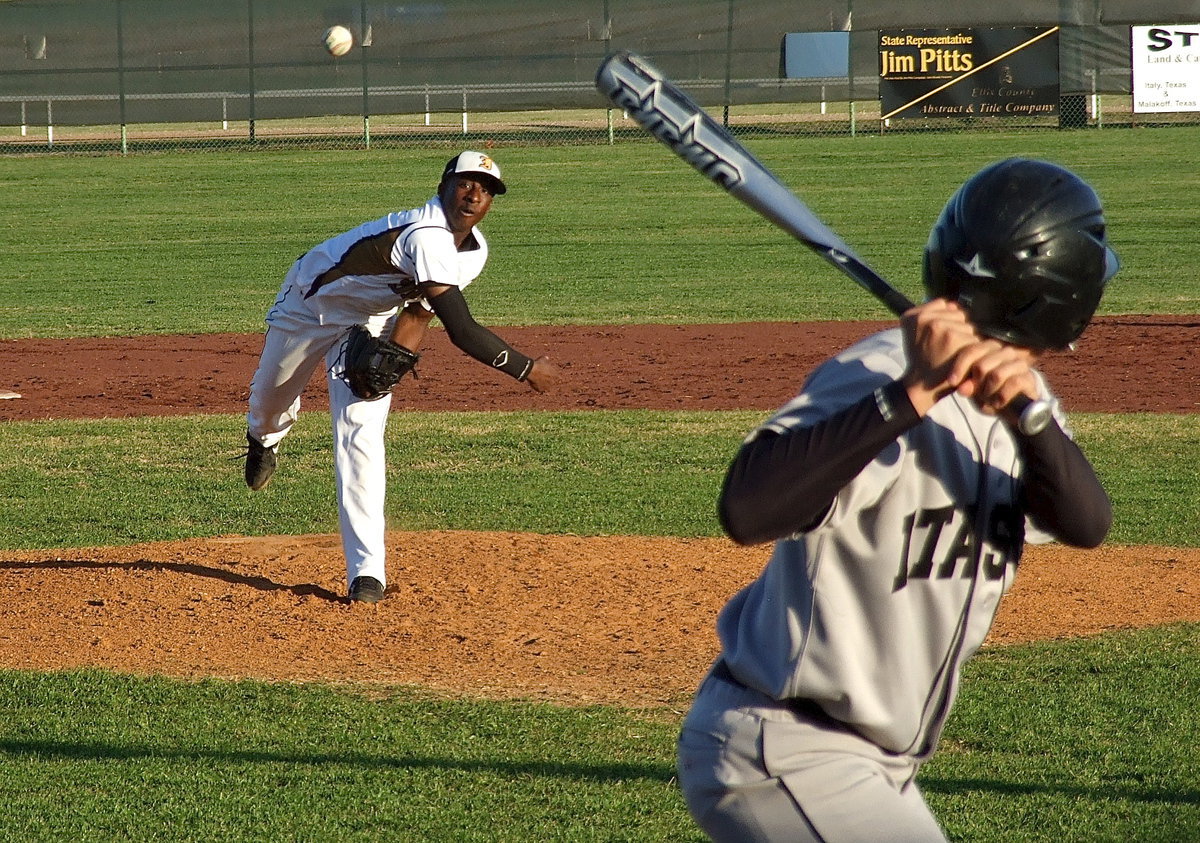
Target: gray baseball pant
755,769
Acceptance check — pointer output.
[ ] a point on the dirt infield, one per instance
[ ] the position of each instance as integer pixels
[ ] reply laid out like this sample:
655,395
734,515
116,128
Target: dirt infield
1127,364
610,619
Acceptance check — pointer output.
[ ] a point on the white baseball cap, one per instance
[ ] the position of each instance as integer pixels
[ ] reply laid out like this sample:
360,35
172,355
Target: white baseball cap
475,162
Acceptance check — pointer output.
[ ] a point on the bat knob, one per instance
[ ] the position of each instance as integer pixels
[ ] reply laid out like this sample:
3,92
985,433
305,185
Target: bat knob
1032,416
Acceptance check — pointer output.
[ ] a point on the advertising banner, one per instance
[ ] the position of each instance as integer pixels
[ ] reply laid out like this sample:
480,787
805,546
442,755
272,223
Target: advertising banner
968,72
1166,68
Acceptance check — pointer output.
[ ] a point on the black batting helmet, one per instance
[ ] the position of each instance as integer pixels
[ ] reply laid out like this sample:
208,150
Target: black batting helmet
1021,245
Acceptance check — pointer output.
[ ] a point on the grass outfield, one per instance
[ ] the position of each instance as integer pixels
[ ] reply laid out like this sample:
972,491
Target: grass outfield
1074,741
195,243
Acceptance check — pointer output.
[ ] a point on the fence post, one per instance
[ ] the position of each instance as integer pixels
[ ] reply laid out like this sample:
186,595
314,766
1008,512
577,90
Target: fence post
121,76
849,27
607,33
363,43
250,69
728,63
1092,72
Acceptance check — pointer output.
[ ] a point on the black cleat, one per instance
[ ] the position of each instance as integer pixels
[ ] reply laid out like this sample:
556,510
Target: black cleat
366,590
260,463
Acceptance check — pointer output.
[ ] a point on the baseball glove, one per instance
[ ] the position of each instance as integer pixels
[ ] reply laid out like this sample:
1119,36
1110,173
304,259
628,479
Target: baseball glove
373,365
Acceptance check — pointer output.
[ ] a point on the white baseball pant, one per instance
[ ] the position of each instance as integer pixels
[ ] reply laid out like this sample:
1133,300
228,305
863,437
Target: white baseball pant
295,344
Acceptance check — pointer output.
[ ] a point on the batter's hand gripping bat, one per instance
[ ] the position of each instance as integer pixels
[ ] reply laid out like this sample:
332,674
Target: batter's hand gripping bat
634,85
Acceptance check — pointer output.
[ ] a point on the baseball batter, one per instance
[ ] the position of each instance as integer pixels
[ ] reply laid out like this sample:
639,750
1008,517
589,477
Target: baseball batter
899,497
391,275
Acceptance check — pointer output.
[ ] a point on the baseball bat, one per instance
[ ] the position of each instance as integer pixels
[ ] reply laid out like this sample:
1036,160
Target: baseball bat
634,85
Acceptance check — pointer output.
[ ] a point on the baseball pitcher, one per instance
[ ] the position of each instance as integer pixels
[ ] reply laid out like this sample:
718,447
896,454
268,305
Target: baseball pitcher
361,302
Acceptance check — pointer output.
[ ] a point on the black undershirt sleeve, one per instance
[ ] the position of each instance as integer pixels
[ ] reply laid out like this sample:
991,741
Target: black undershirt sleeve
1061,491
784,483
780,484
476,340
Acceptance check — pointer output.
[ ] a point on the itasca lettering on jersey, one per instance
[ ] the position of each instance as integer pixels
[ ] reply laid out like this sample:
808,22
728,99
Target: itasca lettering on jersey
940,544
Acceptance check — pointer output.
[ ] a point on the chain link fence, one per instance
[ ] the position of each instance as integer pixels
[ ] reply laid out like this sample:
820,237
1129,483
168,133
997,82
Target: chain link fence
143,75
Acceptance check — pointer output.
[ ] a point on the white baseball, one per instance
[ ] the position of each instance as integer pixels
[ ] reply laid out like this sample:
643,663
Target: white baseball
338,40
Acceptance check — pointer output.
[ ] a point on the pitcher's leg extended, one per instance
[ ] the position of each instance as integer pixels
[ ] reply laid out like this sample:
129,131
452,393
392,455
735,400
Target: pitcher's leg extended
360,471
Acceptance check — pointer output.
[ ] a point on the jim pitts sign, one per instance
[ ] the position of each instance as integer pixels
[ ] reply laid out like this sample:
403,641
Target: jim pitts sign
968,72
1166,68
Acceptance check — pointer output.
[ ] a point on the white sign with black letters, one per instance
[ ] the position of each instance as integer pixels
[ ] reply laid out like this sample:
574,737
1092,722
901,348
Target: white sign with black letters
1166,67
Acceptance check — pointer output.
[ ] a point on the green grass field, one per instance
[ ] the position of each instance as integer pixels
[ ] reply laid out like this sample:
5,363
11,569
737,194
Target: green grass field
1073,741
587,235
101,482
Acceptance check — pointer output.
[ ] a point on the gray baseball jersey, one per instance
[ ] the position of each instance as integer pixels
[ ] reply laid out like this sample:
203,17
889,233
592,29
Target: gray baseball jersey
871,613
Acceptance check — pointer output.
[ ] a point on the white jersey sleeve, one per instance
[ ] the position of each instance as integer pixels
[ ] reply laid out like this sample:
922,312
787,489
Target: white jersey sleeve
429,254
376,267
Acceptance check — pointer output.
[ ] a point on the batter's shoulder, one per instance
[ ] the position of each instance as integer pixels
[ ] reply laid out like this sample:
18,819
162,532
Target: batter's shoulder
880,353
